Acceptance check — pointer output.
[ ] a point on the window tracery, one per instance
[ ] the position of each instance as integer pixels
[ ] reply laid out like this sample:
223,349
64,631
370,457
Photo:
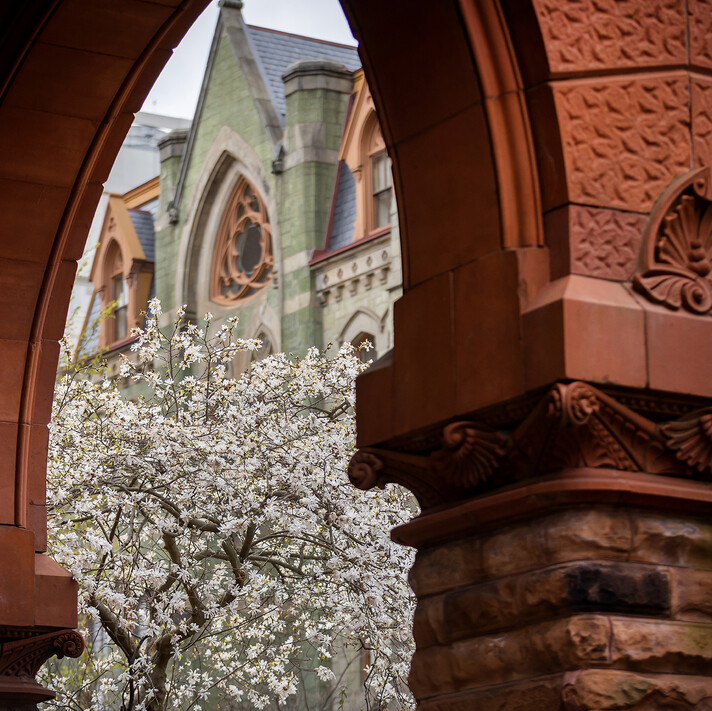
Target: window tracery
243,260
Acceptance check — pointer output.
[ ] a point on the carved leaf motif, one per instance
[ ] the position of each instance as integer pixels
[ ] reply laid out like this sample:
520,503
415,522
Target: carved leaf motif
691,439
590,34
24,657
604,243
607,129
471,454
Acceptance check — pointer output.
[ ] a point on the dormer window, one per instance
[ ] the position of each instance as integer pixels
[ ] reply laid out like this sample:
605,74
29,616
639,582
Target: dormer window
381,186
122,271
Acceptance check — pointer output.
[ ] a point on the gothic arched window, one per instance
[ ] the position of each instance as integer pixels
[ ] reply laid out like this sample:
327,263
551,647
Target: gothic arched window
243,261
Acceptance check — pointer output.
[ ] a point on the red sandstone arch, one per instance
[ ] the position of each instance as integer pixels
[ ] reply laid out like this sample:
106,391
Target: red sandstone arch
502,115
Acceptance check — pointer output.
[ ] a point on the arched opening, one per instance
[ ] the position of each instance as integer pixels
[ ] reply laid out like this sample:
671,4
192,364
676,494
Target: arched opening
505,136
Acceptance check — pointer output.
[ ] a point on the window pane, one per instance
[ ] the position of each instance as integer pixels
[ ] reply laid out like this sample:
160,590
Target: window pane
120,291
120,327
382,209
381,172
121,297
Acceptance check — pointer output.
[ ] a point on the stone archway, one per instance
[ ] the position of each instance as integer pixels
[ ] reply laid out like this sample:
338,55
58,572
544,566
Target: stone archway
535,147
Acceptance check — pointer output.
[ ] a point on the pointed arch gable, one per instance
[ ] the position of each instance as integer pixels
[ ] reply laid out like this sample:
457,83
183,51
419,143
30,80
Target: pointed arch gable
364,320
229,158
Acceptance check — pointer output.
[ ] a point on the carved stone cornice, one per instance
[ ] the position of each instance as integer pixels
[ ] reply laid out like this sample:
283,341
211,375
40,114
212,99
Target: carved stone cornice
574,425
467,459
675,263
24,650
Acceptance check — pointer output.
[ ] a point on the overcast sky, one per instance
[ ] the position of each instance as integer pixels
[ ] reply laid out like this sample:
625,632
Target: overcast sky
176,90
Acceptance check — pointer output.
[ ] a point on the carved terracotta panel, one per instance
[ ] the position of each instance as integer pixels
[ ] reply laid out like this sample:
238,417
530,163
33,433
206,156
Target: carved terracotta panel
700,13
610,34
624,140
604,243
675,267
702,119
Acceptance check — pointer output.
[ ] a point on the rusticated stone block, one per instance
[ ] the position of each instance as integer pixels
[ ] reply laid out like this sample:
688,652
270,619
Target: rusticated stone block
586,690
532,597
673,541
513,550
473,610
622,587
589,35
661,645
585,534
541,693
600,534
446,567
692,594
608,689
491,659
423,630
561,537
624,139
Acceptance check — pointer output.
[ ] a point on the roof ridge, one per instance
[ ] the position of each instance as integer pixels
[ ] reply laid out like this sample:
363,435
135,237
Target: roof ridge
304,37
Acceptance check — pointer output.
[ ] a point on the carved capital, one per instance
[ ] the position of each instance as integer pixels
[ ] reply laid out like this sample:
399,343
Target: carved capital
573,425
467,459
23,651
676,254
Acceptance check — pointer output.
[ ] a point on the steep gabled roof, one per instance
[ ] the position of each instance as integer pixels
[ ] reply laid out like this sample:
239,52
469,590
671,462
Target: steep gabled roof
275,51
343,210
142,221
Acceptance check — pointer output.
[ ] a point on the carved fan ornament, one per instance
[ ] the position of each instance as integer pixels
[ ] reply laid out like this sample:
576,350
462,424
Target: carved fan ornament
676,255
574,425
243,261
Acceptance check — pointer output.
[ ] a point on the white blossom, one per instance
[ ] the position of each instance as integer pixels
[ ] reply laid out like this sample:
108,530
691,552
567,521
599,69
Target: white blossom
220,550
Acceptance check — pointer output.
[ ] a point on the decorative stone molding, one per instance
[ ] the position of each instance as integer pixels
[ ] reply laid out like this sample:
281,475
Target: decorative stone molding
23,652
468,458
676,256
358,269
573,426
691,439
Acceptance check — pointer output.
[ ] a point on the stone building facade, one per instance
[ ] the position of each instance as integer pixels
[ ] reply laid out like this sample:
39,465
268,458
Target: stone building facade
260,214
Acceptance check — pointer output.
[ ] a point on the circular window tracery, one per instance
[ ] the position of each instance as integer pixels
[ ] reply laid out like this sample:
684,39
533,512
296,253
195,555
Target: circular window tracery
243,261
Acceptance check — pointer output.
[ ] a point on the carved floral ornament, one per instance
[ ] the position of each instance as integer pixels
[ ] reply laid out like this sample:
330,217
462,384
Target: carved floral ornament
243,260
574,425
23,651
675,263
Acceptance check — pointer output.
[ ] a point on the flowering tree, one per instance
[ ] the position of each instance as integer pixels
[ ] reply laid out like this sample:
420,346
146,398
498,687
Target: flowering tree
219,547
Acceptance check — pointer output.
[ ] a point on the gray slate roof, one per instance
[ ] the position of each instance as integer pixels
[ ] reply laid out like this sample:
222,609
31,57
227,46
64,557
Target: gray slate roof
275,51
143,224
342,226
